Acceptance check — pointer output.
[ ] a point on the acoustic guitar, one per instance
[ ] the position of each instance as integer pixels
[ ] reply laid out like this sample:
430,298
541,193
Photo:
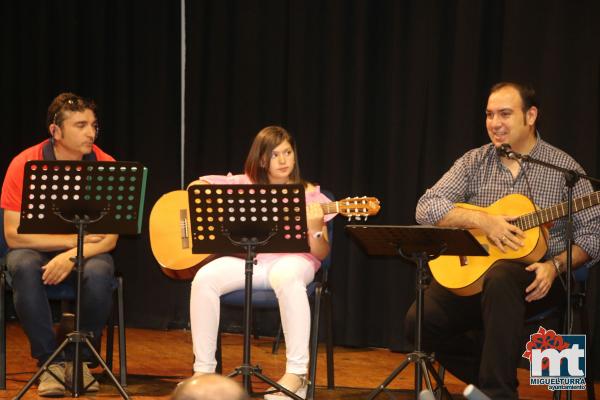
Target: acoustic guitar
170,236
463,275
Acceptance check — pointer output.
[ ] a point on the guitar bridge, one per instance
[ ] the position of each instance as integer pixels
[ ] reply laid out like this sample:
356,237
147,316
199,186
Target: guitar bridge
183,225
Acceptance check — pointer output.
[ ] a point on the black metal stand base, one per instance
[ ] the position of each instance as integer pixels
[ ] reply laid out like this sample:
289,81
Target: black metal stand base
423,368
423,361
248,371
75,386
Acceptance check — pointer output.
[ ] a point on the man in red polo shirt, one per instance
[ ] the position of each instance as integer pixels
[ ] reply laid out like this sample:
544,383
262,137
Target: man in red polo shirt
38,260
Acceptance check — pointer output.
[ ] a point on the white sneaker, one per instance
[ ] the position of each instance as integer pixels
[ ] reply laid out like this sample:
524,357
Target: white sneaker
297,384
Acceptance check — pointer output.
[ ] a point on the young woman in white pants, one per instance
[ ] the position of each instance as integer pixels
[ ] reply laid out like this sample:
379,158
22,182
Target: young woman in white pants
272,159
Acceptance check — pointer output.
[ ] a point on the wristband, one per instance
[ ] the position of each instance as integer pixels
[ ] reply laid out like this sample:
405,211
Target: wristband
317,235
557,264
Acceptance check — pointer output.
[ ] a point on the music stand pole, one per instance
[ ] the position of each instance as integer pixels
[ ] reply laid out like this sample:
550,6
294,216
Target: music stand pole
249,271
246,369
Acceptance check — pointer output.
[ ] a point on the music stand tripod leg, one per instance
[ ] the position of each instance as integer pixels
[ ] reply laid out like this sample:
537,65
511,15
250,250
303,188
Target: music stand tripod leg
42,369
389,379
438,379
108,371
246,369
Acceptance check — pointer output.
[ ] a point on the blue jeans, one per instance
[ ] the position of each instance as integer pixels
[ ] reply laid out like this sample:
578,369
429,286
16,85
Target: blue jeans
31,299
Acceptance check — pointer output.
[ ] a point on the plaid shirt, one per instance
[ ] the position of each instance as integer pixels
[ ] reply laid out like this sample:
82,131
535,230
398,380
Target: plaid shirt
480,178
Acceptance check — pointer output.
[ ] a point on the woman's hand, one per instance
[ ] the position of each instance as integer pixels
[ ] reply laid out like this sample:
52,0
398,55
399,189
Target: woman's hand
314,217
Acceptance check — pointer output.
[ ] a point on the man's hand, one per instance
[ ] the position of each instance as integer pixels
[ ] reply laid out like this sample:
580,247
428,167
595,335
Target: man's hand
57,269
545,273
501,232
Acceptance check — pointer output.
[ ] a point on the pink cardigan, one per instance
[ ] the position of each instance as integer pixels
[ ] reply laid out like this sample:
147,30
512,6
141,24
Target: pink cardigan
314,196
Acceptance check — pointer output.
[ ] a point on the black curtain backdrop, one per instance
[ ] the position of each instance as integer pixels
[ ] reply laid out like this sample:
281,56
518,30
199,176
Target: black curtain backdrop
125,55
382,97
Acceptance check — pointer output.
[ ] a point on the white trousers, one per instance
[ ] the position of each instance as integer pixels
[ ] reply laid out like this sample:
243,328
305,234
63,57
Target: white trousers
287,275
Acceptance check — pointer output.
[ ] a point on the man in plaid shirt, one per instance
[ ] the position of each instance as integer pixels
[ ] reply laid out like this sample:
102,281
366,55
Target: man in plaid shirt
511,291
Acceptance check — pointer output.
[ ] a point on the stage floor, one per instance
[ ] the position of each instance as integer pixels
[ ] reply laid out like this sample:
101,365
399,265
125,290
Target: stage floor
157,360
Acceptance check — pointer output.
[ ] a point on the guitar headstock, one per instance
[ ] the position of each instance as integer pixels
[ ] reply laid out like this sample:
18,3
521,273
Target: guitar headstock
358,207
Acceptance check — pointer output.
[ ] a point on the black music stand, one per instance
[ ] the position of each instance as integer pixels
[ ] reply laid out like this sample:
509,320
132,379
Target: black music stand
227,217
418,244
81,197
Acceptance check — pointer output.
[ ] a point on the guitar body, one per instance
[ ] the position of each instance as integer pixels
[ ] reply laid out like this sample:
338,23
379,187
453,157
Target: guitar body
170,237
463,275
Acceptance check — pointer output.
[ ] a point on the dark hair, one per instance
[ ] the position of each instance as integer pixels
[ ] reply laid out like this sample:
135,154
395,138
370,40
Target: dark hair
259,156
67,102
527,93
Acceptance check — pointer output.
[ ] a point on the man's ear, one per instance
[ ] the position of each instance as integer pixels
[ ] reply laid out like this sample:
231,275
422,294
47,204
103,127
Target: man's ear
54,130
531,115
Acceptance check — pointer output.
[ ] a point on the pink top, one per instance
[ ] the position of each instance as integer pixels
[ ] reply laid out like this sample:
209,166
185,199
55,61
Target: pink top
313,196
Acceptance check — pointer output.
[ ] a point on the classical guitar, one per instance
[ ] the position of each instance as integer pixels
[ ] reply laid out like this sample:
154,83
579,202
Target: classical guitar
463,275
170,236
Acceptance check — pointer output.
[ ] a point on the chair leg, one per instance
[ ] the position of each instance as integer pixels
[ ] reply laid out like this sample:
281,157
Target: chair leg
2,332
585,329
329,341
314,344
277,340
439,391
110,338
122,344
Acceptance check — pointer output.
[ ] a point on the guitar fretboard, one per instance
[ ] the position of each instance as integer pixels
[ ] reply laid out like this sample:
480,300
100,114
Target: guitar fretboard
537,218
329,208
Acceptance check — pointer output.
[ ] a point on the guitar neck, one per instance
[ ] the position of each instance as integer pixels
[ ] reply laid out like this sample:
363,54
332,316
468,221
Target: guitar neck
540,217
330,208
